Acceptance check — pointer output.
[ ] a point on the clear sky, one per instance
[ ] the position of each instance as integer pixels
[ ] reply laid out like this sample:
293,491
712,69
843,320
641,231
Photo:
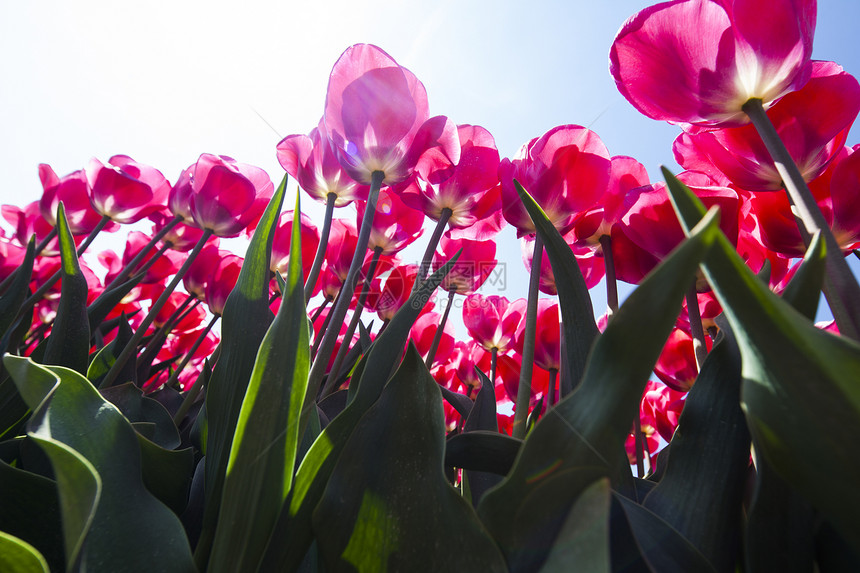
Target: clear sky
163,81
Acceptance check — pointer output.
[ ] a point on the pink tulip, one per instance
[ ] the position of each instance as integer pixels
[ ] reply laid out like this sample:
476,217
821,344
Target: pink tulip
280,259
547,335
224,279
699,61
474,266
164,266
590,264
72,191
125,190
227,196
28,222
396,290
311,160
676,366
377,118
650,220
813,122
202,270
566,171
462,188
492,320
341,246
423,332
395,225
182,237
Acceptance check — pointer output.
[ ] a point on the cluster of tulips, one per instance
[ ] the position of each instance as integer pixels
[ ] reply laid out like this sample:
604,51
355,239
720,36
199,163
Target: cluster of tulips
312,434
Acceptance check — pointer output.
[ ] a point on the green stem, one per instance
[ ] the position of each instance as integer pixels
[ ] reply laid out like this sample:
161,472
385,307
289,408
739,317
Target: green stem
696,330
334,371
126,272
525,387
431,247
314,273
840,287
437,338
195,389
611,281
190,354
131,347
320,364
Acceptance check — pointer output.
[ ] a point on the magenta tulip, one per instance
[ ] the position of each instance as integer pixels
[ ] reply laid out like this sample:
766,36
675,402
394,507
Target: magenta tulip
310,236
474,266
311,160
699,61
227,196
492,320
71,189
377,118
395,225
813,122
125,190
566,171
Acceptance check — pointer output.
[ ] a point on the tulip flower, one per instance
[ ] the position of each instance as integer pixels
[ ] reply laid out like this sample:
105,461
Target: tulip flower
377,118
813,122
699,61
158,265
224,279
28,222
566,171
281,242
227,196
203,268
124,190
72,191
492,320
312,162
676,366
474,266
395,225
395,292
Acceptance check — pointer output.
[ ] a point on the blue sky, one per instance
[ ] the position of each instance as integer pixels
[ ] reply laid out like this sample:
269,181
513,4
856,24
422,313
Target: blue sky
165,81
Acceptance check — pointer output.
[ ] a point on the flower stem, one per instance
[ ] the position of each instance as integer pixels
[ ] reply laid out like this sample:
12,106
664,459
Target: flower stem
521,410
131,347
314,273
126,272
334,371
696,330
431,247
344,297
840,286
611,281
190,354
437,338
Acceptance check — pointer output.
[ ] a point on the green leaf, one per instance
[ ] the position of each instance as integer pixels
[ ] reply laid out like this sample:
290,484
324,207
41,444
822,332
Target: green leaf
14,297
709,462
263,453
18,556
33,512
584,537
577,312
139,408
69,342
244,323
799,391
482,450
292,536
80,488
166,473
388,506
583,435
804,290
130,527
663,548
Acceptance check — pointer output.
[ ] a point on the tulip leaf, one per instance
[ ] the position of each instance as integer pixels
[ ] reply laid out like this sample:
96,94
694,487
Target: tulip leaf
244,323
583,435
292,536
105,358
799,388
388,506
69,342
108,300
482,450
33,512
16,294
584,537
709,461
139,408
129,522
459,402
80,489
263,453
577,312
166,473
482,416
18,556
663,548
